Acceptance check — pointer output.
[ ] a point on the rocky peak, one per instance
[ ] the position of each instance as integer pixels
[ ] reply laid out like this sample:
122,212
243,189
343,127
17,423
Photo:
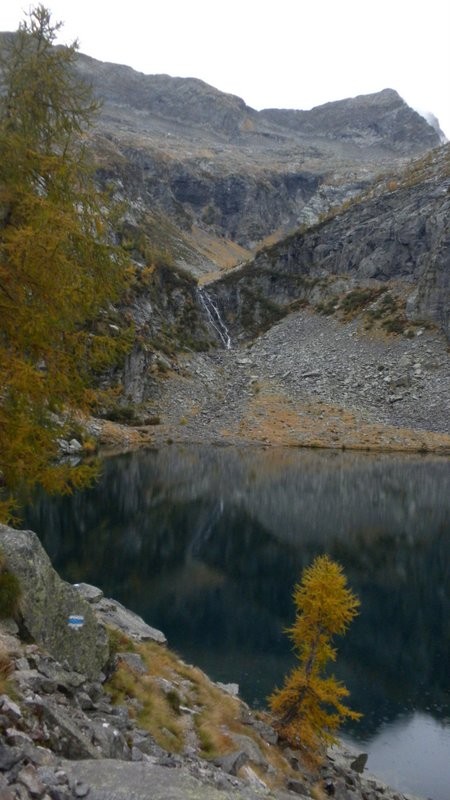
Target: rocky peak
370,119
221,174
185,100
379,119
397,232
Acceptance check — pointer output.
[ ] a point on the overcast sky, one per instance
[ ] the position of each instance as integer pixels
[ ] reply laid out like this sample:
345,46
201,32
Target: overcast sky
282,53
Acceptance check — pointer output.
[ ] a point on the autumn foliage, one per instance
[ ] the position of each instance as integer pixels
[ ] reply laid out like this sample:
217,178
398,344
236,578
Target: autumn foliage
310,707
57,266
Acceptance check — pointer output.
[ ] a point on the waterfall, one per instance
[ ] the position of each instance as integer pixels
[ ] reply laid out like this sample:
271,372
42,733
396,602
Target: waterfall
203,531
214,318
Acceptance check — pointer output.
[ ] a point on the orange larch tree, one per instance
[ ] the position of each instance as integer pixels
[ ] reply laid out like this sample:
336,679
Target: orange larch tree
309,707
57,265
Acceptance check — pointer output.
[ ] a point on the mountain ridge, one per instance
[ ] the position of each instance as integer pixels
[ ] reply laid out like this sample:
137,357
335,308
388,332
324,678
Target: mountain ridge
190,97
213,165
339,211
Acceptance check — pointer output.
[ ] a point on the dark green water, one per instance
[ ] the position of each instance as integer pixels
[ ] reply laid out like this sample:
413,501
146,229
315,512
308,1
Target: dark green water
207,543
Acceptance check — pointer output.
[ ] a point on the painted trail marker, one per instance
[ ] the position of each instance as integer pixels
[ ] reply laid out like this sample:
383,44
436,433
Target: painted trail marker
75,621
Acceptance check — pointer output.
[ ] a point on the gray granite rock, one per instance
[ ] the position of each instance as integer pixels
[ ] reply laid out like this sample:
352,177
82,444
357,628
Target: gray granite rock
232,762
115,615
134,661
29,777
250,748
229,688
69,737
90,593
119,780
47,602
400,236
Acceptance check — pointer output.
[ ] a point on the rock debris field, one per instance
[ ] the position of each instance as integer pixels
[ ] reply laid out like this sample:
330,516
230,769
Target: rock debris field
314,381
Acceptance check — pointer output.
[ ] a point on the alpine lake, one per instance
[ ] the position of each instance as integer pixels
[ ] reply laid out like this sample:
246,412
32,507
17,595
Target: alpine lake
206,543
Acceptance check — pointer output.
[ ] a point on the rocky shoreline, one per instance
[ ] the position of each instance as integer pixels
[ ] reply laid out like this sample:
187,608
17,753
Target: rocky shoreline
63,737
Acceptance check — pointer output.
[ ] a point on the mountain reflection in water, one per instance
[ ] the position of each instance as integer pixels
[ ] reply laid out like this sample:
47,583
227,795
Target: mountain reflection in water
207,543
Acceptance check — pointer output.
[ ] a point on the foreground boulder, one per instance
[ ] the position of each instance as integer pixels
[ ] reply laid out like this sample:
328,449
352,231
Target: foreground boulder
47,604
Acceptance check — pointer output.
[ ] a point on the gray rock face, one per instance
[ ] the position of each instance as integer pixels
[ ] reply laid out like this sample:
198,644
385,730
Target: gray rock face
119,780
66,737
184,100
250,748
114,614
378,118
47,602
205,158
173,317
382,117
216,176
400,234
90,593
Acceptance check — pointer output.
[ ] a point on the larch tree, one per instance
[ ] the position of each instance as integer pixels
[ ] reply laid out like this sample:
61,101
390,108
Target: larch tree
57,265
309,707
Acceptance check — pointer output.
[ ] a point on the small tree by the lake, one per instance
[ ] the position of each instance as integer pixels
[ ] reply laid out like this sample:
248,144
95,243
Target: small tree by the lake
309,708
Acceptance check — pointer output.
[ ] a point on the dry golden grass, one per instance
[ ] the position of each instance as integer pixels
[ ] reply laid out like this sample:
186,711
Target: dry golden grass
273,418
6,668
213,709
159,709
247,125
217,714
213,716
318,792
10,590
156,713
223,253
113,434
272,238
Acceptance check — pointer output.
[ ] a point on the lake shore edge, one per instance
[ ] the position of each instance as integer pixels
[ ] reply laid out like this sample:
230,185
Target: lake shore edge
113,437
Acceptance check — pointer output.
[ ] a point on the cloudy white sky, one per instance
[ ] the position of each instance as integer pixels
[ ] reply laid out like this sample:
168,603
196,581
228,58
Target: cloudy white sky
273,53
